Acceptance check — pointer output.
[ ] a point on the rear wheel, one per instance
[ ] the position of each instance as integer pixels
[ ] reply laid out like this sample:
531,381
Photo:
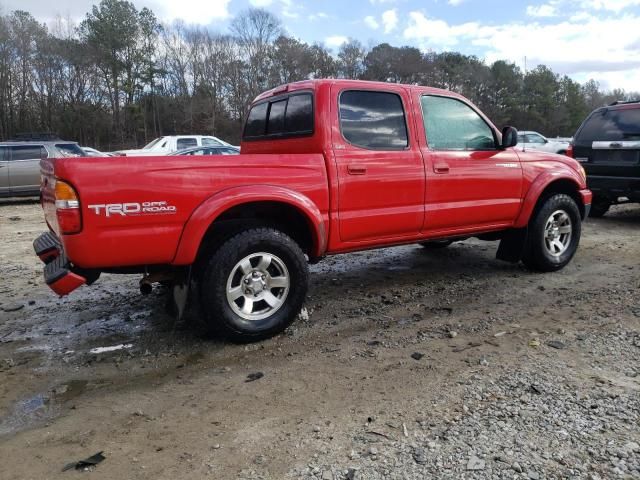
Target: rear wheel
253,285
554,234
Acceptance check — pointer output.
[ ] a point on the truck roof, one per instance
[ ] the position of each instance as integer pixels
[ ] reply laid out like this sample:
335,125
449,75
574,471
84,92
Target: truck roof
315,84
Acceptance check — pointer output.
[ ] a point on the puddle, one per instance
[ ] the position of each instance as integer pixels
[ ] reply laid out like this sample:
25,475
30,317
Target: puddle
27,412
31,411
70,390
400,268
194,358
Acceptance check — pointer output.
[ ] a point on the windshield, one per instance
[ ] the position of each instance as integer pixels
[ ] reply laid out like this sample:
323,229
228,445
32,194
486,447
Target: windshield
151,144
70,150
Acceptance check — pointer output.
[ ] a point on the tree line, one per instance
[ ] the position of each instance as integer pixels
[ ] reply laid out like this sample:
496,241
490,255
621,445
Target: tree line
121,78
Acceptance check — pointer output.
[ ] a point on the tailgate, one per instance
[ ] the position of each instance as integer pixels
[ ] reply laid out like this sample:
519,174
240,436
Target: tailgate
47,192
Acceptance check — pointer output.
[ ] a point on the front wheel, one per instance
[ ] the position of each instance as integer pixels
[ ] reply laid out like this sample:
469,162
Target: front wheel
254,285
554,234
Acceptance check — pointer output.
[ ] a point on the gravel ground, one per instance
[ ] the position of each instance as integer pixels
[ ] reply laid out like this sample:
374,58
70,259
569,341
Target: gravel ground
408,364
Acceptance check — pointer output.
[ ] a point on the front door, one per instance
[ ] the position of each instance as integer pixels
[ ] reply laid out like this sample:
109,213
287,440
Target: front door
472,184
381,173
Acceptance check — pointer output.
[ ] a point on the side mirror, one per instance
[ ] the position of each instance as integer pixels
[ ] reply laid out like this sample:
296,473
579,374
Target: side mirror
509,137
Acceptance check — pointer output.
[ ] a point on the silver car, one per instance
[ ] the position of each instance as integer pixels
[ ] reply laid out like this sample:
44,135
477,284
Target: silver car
20,164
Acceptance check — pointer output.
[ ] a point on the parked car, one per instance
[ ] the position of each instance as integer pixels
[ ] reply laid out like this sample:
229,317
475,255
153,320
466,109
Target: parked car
327,167
92,152
208,151
530,140
20,164
170,144
608,146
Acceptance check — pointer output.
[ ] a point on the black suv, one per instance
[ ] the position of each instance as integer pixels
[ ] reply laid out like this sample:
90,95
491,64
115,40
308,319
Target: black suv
608,146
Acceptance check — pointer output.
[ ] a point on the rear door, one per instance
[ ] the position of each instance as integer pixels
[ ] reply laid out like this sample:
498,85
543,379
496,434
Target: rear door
380,169
471,183
608,144
24,168
4,171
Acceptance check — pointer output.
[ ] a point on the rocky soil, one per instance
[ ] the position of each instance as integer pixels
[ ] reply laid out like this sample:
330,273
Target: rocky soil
408,364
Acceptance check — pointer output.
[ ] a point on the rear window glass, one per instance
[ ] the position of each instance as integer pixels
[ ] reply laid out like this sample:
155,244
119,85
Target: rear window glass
373,120
70,150
152,143
299,114
210,142
275,124
257,121
610,125
25,152
281,117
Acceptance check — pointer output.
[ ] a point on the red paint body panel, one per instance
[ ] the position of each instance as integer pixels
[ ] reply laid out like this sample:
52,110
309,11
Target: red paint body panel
156,210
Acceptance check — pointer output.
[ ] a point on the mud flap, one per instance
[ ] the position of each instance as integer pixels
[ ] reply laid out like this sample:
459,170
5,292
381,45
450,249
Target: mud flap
180,293
512,245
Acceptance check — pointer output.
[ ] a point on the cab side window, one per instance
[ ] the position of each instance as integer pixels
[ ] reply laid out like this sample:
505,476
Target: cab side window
373,120
451,124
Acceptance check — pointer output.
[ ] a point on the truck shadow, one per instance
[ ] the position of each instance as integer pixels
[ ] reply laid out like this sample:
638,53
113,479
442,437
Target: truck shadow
623,214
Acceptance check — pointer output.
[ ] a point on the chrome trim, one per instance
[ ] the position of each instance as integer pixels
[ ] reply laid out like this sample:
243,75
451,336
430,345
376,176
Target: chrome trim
62,204
616,145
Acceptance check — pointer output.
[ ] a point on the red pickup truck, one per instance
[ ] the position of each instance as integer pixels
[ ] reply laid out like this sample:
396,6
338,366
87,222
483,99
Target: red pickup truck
326,167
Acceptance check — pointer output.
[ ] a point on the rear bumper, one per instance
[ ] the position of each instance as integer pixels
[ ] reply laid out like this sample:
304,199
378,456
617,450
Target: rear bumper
58,271
613,187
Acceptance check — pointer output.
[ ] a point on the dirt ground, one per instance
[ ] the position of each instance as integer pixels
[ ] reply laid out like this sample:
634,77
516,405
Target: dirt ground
340,389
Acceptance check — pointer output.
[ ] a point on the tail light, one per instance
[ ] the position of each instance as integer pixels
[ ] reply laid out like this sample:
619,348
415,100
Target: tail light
67,208
569,152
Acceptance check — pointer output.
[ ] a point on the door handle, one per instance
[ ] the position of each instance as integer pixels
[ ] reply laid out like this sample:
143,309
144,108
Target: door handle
441,168
356,169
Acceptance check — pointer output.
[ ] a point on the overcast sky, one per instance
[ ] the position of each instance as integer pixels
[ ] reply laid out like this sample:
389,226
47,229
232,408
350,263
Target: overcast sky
597,39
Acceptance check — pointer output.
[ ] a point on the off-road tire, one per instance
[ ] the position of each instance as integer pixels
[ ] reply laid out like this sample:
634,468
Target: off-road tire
536,254
217,315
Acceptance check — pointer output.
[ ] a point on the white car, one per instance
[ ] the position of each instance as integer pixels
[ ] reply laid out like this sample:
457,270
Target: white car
92,152
529,140
173,143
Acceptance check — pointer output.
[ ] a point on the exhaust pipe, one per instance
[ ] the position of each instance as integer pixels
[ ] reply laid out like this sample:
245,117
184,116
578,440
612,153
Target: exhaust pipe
145,287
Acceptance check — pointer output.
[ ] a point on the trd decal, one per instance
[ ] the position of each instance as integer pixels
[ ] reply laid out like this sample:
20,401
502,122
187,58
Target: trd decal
133,208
